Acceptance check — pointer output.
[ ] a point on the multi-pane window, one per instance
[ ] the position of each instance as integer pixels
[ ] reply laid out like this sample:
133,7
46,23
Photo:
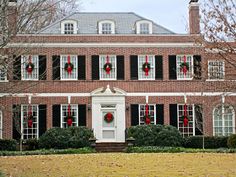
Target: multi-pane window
107,61
216,70
1,124
69,61
29,67
187,129
184,67
3,74
106,28
68,28
142,75
144,28
67,111
223,121
29,121
151,113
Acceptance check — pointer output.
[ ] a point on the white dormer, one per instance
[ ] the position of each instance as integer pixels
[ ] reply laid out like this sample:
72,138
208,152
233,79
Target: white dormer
69,27
144,27
106,27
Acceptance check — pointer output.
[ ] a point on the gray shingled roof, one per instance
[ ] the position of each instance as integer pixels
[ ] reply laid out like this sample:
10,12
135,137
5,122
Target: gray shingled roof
88,23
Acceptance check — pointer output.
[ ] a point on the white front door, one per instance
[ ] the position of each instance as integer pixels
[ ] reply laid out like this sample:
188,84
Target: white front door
109,124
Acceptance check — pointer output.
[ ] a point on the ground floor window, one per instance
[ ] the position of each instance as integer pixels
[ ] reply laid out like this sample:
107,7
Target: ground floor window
29,121
69,115
151,110
223,120
1,124
186,127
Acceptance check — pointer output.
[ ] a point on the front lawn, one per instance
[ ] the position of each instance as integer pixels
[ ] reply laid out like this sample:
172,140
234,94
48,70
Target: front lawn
121,164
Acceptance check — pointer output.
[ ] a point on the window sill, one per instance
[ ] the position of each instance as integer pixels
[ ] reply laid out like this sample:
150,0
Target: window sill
4,81
214,80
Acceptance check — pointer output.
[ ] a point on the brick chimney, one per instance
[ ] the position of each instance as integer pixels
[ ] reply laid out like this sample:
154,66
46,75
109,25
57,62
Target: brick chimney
12,17
194,17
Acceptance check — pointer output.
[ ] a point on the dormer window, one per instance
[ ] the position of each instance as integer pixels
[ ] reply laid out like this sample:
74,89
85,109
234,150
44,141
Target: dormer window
144,27
106,27
69,27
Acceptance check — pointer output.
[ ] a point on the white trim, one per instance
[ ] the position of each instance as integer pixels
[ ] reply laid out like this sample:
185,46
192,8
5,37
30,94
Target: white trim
141,94
100,23
76,117
62,77
192,67
102,45
138,23
154,110
154,67
74,22
101,68
208,73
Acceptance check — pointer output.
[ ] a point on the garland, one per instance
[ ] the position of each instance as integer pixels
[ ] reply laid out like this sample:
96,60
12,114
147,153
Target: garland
108,117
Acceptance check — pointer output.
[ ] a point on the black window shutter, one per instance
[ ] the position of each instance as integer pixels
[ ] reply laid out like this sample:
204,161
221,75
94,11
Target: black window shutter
42,67
160,114
42,119
120,67
198,119
95,67
17,68
134,114
81,67
56,115
172,67
16,121
82,115
159,67
197,67
56,67
134,67
173,115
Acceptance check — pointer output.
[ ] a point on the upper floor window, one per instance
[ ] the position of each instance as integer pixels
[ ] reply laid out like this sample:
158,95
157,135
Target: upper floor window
3,74
186,123
29,67
29,121
144,27
184,67
223,121
68,67
216,70
146,67
107,67
69,115
106,27
69,27
147,114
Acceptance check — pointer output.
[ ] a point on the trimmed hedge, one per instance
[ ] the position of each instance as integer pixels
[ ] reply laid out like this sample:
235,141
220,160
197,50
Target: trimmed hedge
232,141
7,145
155,135
63,138
31,144
211,142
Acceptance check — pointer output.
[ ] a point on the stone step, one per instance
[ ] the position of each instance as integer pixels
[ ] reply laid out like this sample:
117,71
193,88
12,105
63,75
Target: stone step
110,147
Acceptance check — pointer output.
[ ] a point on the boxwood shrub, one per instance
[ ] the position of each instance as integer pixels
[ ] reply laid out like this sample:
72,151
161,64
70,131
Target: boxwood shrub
231,142
7,145
63,138
211,142
155,135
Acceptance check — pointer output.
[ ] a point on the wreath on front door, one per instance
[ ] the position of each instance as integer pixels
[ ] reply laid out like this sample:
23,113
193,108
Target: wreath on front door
108,118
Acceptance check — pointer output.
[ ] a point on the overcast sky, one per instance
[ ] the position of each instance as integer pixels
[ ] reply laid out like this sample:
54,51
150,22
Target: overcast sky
172,14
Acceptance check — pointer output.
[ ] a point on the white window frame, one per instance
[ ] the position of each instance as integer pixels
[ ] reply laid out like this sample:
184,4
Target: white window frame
4,73
1,122
138,23
140,66
193,121
76,117
178,68
69,22
140,117
23,65
104,22
223,65
22,121
62,71
101,71
223,119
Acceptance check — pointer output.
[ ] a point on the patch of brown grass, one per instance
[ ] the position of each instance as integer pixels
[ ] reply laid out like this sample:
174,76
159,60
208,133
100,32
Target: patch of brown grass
121,164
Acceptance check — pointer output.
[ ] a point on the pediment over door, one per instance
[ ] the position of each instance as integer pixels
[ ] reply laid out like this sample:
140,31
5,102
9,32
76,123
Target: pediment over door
108,92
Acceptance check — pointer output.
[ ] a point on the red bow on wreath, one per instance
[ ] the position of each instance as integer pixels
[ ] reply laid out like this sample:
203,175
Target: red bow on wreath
29,66
108,117
30,117
185,116
69,117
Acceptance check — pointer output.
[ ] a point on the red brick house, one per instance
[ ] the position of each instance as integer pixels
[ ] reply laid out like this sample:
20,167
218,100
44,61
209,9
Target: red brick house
110,71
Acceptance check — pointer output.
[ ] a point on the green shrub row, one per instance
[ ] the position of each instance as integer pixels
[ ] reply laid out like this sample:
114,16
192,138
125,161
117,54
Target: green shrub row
7,145
155,135
84,150
232,141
